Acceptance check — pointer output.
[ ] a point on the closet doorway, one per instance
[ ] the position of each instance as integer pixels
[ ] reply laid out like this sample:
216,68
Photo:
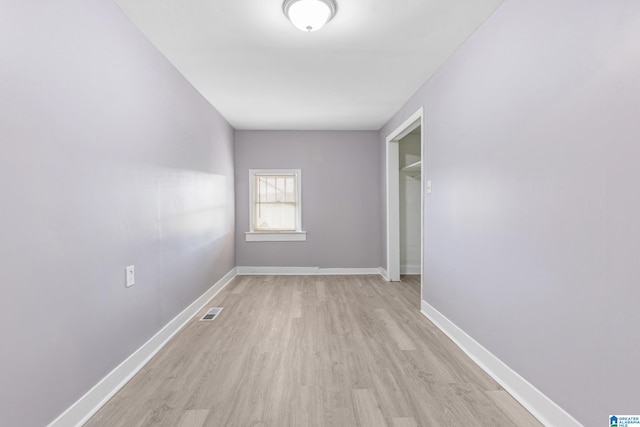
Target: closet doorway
405,205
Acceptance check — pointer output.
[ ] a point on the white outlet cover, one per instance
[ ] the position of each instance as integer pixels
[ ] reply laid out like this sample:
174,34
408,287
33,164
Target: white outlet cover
130,276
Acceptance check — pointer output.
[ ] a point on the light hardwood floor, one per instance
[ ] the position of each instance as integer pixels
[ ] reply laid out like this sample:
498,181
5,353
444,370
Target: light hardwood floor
313,351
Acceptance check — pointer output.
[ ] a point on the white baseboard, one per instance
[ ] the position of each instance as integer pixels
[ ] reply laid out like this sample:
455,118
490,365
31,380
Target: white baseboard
303,271
540,406
410,269
276,271
383,272
80,412
348,271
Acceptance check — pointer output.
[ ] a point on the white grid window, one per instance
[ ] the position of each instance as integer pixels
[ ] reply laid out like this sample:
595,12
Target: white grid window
275,205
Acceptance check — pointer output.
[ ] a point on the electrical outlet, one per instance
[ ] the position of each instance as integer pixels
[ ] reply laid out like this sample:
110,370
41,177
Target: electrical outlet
130,276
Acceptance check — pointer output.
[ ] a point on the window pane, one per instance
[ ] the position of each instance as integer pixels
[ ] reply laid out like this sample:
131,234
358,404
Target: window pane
276,216
275,202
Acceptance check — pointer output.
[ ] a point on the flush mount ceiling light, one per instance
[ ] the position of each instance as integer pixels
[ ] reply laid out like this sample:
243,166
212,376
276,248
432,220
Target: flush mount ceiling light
309,15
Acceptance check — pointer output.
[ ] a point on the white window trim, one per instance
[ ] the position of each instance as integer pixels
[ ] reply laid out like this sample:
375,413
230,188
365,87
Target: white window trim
276,236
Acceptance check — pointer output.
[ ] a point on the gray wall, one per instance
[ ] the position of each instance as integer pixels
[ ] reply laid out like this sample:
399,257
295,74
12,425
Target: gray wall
533,227
109,158
340,197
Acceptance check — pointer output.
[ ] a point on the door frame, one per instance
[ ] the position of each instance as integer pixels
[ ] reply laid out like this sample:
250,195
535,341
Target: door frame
393,195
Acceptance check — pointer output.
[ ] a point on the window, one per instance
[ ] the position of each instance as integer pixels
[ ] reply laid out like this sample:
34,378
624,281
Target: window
275,208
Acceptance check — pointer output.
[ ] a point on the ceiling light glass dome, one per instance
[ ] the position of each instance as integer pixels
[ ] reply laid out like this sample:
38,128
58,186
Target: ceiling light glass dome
309,15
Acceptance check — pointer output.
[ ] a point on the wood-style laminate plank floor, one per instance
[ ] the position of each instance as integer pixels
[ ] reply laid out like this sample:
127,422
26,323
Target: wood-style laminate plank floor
313,351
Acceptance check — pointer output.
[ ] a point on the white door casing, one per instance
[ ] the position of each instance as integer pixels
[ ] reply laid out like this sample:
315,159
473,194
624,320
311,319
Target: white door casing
393,197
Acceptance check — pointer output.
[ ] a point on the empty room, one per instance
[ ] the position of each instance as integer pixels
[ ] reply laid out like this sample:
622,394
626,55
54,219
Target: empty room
319,213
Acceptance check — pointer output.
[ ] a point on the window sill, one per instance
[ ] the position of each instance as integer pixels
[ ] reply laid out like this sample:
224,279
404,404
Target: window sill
275,236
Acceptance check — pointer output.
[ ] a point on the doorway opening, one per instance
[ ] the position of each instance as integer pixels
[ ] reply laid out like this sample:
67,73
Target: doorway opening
405,199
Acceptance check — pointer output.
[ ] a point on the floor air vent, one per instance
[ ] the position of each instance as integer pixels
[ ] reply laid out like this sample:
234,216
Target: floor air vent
212,313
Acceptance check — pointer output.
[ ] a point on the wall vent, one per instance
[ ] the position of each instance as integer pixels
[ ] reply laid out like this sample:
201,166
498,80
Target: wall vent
212,313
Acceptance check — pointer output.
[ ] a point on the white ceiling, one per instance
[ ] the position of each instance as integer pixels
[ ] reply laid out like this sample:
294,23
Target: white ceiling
261,72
